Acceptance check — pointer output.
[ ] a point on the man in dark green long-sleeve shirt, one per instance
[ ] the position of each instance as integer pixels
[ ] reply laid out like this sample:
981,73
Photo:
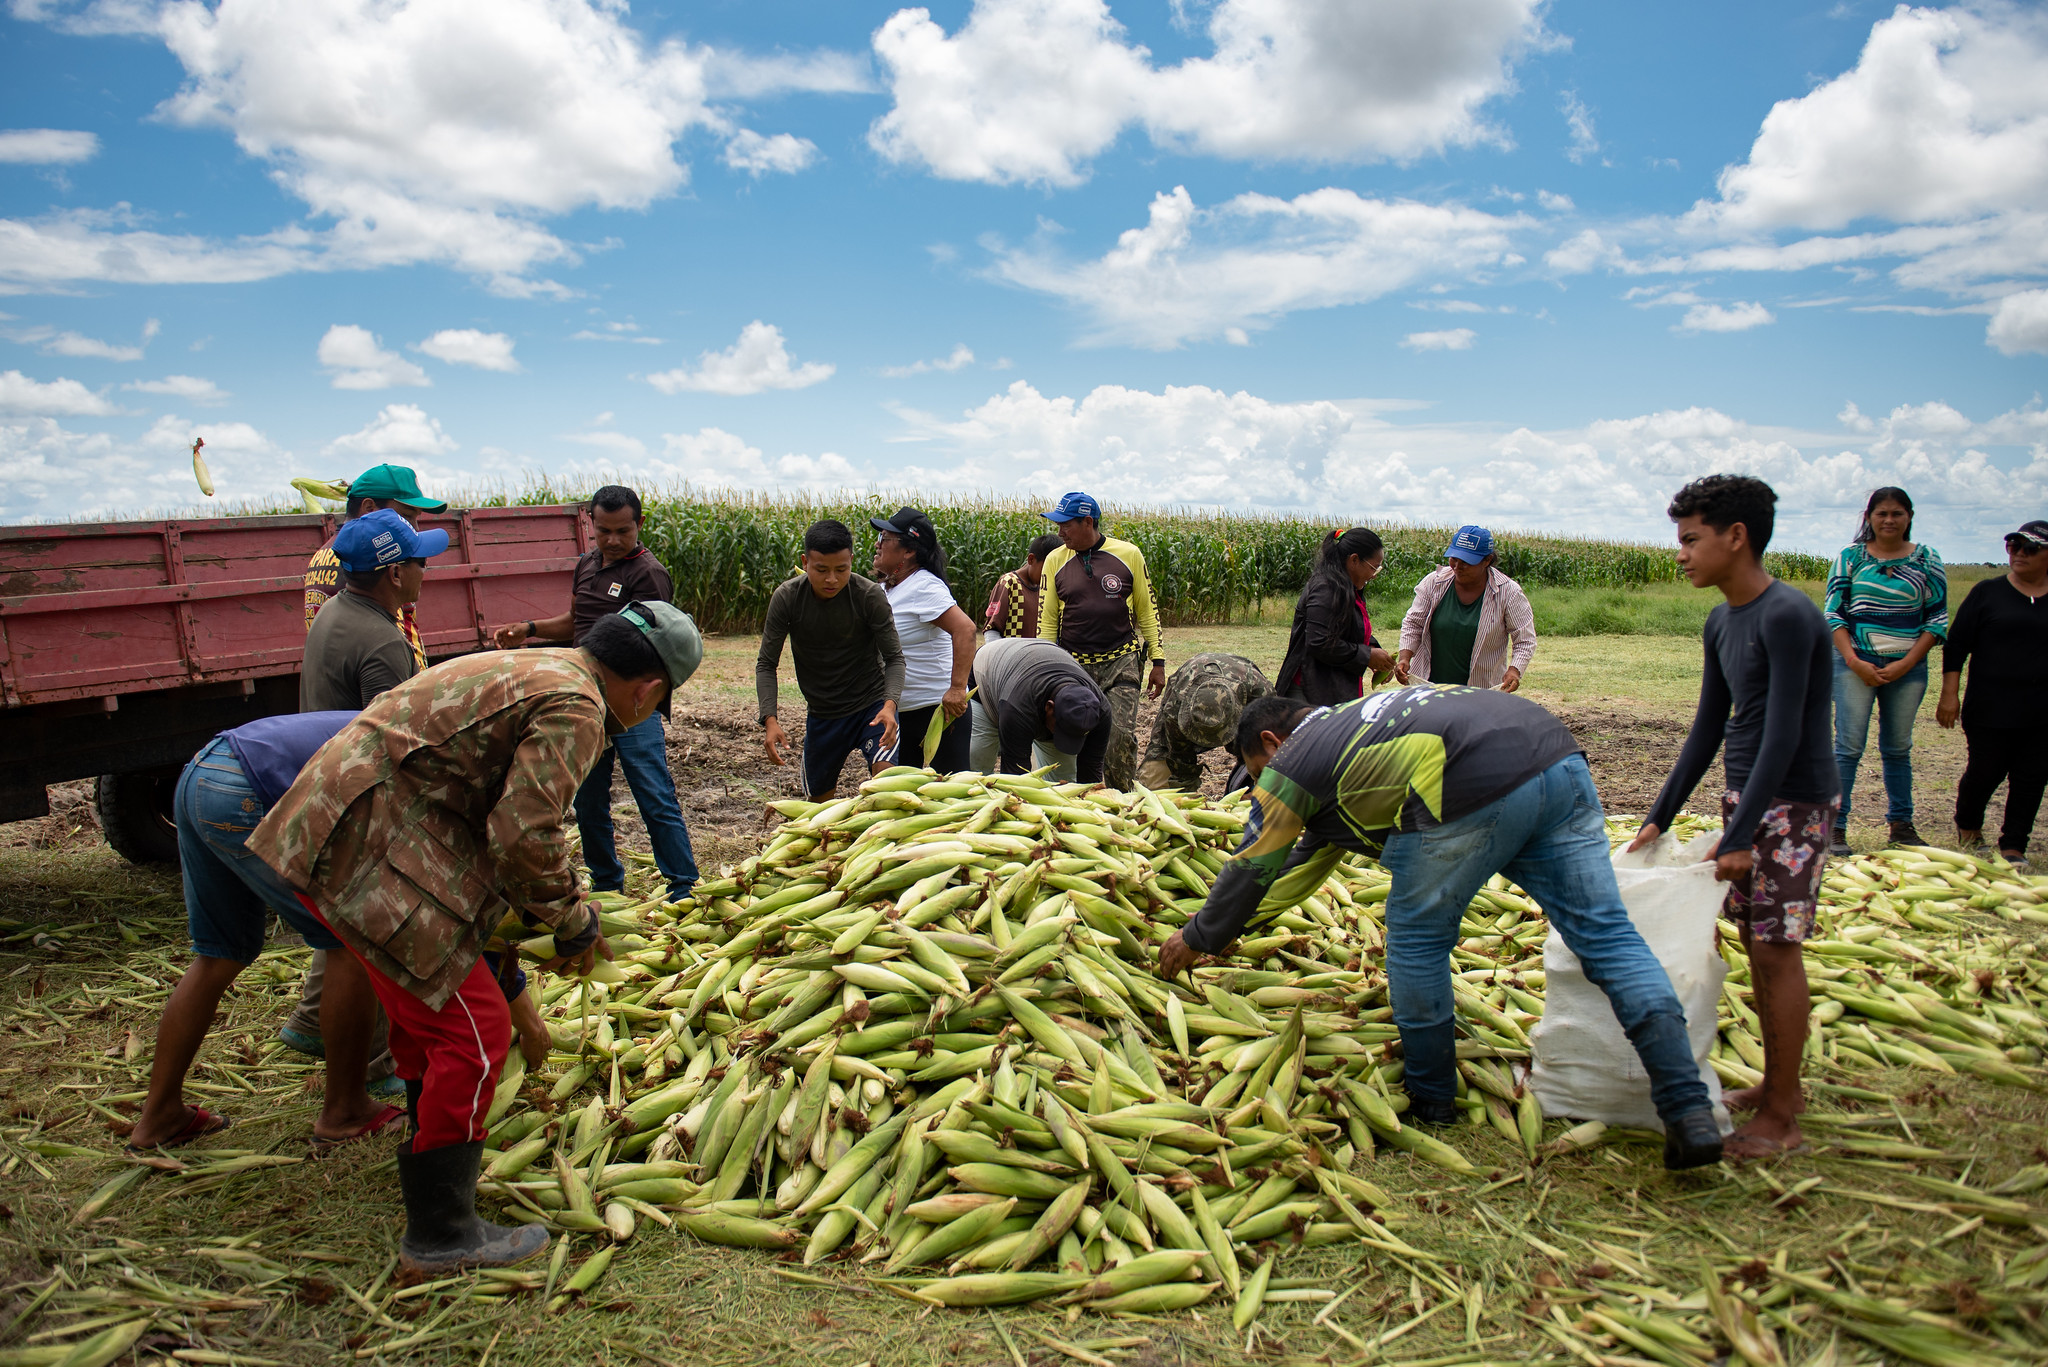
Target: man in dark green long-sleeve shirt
849,664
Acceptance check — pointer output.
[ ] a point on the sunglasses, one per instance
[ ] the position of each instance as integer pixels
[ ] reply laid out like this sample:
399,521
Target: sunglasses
2025,545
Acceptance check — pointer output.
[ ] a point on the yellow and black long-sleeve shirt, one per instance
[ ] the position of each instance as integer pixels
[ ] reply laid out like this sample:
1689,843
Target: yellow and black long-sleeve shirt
1352,776
1100,603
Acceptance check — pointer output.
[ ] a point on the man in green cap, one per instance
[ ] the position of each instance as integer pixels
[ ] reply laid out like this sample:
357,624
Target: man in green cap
412,834
381,486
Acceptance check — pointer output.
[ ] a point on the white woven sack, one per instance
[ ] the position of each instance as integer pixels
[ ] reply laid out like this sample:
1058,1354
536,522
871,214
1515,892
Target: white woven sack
1584,1066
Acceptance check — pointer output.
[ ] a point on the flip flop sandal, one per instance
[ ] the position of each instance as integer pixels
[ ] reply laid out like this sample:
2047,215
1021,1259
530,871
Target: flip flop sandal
380,1122
202,1124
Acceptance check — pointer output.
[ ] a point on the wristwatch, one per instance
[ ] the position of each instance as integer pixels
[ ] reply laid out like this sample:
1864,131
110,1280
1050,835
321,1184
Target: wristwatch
532,628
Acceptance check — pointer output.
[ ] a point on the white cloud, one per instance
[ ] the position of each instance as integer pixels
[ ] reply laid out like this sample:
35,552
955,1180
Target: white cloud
399,429
1714,318
356,360
715,458
615,332
1191,273
51,342
2020,324
439,131
1578,121
784,153
188,387
1030,90
1944,117
47,146
468,346
960,359
1556,203
49,398
758,361
1193,444
1450,339
1854,418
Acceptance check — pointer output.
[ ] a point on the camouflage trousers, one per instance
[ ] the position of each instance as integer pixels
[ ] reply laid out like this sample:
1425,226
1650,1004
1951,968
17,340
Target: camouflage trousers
1170,762
1120,680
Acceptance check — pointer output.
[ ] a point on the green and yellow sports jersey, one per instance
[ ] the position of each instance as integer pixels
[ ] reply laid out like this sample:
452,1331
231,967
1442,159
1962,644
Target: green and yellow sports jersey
1354,775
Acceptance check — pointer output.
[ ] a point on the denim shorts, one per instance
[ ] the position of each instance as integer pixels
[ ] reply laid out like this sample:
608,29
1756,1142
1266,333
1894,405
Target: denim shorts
229,892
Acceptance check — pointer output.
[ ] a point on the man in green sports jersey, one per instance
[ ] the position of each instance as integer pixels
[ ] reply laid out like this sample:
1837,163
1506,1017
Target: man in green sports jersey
1447,787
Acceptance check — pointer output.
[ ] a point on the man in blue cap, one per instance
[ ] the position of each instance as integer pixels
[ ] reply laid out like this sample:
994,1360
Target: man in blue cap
357,649
1469,624
1099,609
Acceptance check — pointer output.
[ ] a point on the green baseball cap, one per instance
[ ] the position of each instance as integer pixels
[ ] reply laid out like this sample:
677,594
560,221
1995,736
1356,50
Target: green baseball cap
674,636
396,483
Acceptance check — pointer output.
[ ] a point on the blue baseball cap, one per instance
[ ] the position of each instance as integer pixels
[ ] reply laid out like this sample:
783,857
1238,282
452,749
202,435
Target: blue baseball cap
382,538
1075,505
1471,544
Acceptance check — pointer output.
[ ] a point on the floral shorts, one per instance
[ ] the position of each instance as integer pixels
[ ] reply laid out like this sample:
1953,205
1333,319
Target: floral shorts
1784,883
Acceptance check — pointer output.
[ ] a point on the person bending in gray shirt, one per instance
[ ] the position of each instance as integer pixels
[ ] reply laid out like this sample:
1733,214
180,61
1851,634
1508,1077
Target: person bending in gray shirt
849,664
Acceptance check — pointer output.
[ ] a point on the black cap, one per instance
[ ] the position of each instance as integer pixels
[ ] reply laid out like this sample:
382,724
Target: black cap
1076,710
2035,531
914,527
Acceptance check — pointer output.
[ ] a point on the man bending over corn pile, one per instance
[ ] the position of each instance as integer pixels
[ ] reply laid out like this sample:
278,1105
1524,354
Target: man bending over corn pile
1447,787
1766,690
414,831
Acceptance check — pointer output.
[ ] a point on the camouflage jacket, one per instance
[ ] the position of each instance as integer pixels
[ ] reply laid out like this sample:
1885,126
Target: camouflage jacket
440,807
1198,712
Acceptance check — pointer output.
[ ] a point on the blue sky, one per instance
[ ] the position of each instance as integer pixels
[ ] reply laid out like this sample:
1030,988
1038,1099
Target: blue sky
1381,260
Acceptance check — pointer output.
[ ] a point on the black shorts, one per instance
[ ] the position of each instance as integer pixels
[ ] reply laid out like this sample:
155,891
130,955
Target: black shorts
829,740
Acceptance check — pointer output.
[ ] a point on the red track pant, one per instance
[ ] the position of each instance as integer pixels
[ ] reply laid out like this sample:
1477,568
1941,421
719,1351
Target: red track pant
454,1052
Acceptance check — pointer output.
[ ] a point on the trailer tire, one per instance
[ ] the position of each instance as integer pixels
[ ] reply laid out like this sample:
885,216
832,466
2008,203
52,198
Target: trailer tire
136,815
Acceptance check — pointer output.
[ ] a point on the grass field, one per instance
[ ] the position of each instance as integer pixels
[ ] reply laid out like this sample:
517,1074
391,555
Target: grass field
292,1263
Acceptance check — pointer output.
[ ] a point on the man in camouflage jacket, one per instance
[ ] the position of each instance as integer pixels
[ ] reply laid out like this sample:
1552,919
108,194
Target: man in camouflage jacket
442,806
1199,712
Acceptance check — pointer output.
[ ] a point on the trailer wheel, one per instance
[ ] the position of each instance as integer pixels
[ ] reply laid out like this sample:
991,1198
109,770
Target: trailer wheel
135,812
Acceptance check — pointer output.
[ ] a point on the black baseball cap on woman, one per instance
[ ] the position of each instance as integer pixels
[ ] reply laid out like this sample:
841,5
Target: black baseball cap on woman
915,528
2035,532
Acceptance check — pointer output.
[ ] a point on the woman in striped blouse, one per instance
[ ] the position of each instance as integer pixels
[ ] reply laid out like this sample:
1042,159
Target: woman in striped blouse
1887,604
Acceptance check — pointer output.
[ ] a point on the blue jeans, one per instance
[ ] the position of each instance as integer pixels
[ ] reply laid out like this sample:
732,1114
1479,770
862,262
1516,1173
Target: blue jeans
643,753
1550,836
229,892
1897,704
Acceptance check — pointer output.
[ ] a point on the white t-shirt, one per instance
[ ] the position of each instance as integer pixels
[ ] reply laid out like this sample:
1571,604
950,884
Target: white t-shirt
918,603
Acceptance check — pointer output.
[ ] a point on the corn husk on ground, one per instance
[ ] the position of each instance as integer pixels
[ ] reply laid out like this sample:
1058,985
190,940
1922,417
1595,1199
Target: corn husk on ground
1219,1162
920,1033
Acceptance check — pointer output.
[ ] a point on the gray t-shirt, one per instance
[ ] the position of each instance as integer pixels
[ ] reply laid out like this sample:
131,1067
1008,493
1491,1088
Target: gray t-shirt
847,654
354,652
1013,678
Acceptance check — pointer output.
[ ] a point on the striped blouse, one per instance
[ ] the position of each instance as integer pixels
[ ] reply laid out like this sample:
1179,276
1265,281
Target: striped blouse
1887,604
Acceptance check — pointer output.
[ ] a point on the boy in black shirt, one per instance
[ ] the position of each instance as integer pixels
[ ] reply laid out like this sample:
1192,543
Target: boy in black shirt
1766,691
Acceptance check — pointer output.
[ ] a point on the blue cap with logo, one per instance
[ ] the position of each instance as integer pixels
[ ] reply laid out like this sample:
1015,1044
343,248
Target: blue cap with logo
1471,544
1075,505
382,538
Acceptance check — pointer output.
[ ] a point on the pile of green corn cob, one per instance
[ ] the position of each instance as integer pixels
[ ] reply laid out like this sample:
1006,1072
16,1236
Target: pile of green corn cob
921,1028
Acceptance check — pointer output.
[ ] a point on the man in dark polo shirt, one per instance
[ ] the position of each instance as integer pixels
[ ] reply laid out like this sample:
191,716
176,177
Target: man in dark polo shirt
615,572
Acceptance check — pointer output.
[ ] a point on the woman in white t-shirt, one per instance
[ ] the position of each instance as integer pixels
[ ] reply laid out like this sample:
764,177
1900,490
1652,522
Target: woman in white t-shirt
937,638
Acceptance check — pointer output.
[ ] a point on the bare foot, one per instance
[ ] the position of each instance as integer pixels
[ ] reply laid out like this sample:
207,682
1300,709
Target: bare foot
181,1126
1764,1137
349,1121
1743,1098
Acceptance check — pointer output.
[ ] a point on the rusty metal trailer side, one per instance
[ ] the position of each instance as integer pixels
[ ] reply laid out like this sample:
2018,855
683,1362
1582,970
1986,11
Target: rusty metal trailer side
125,646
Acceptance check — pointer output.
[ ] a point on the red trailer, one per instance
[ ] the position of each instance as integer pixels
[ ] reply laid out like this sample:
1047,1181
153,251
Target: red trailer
125,646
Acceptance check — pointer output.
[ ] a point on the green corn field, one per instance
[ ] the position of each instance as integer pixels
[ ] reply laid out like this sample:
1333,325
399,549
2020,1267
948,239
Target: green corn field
726,550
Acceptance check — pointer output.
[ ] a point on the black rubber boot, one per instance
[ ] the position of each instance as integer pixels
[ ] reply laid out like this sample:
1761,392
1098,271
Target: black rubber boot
442,1230
1693,1140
